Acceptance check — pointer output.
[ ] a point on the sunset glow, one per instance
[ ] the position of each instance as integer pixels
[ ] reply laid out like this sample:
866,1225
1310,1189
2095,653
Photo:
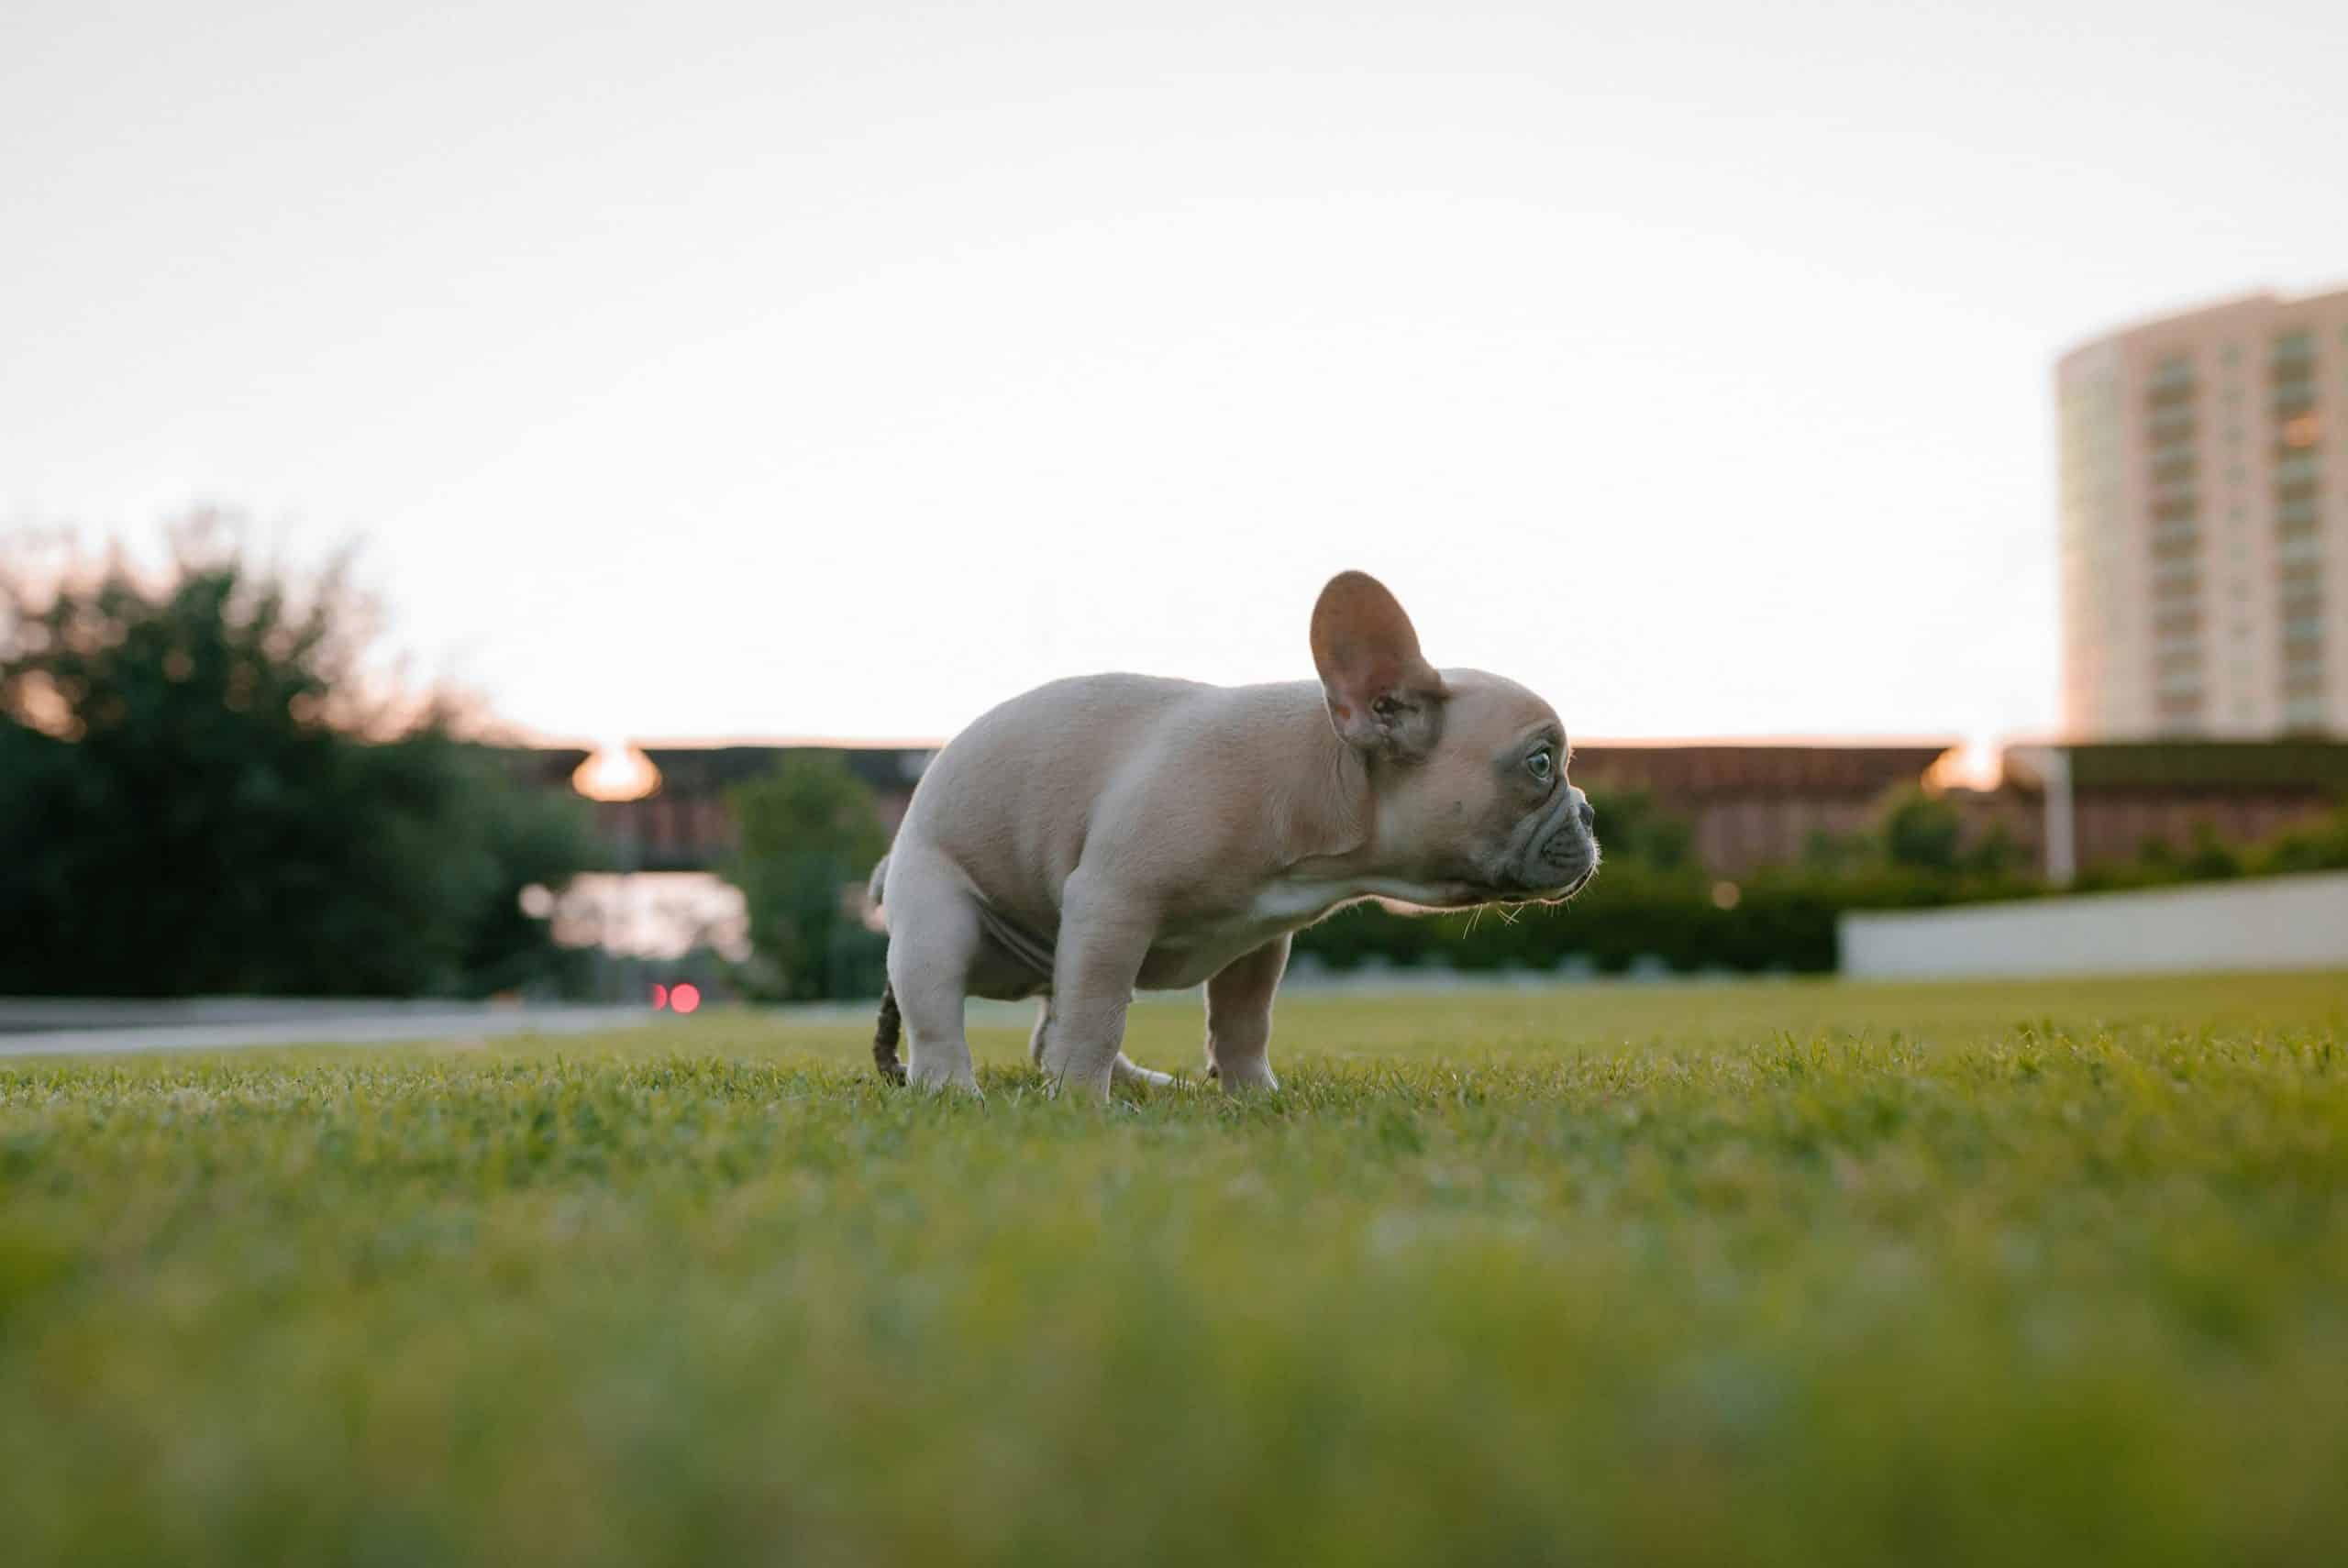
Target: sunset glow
619,772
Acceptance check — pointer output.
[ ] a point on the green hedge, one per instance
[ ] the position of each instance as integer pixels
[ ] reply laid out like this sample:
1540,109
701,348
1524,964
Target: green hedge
1778,920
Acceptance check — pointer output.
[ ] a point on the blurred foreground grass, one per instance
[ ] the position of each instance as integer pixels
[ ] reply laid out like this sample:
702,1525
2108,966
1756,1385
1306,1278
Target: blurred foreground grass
1777,1272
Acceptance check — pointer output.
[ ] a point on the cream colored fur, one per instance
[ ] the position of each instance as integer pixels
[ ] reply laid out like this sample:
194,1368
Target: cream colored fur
1139,832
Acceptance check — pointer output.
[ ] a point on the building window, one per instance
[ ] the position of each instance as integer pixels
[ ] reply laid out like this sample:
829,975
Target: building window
2179,671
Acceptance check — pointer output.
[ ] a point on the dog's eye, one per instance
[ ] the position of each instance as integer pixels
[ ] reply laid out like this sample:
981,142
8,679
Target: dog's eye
1541,764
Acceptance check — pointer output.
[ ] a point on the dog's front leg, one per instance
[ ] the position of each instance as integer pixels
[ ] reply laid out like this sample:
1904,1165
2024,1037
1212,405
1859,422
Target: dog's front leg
1239,1018
1105,933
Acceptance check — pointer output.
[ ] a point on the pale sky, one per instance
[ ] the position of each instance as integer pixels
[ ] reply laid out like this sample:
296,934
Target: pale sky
706,370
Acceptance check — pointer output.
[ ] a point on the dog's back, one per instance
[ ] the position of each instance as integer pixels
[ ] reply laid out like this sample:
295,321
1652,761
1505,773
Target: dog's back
1010,799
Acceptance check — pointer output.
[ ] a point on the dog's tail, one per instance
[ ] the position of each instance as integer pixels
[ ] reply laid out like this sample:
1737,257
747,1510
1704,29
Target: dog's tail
890,1025
884,1037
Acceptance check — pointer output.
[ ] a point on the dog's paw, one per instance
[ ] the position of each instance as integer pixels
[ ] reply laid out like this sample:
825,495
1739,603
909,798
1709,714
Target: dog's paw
960,1085
1249,1077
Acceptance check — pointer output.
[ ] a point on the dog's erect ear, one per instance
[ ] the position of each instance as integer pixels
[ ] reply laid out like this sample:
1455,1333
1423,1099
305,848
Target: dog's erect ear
1383,697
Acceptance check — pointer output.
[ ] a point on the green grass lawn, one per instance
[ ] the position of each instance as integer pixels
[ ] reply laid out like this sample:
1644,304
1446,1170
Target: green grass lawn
1780,1272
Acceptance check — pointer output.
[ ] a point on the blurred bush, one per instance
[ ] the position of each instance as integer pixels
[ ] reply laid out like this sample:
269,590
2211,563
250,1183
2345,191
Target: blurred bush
809,837
1650,909
2318,845
200,794
1780,920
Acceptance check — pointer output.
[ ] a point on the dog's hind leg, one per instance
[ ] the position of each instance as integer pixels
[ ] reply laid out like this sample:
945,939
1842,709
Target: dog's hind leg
1125,1070
1043,1021
933,937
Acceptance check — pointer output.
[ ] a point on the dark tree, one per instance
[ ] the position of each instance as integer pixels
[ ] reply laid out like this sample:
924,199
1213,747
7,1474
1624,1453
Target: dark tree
810,836
1921,832
197,796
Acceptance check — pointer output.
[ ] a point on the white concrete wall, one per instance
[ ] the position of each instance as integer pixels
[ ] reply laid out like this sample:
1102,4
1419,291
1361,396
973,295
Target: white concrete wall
2270,923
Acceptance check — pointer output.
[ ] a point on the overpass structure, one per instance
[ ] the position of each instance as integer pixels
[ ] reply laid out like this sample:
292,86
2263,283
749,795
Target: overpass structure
682,823
1748,804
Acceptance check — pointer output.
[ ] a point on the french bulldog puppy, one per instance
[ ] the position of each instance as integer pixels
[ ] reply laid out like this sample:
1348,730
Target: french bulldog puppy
1116,832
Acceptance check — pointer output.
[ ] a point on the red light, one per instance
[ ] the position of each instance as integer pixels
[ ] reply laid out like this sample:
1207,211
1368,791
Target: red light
684,996
660,997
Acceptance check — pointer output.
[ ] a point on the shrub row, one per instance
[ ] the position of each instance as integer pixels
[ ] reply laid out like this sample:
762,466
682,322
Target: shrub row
1777,920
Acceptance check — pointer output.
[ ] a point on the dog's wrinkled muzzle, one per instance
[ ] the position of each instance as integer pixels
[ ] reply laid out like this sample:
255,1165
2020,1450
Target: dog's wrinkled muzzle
1567,857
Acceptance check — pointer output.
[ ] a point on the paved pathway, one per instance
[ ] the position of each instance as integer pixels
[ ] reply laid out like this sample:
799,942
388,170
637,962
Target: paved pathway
324,1029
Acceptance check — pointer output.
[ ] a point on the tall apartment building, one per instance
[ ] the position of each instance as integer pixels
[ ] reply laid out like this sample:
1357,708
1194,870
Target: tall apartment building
2204,477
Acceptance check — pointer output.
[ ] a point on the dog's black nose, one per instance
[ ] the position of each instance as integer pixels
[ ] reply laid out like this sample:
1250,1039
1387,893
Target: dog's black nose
1588,814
